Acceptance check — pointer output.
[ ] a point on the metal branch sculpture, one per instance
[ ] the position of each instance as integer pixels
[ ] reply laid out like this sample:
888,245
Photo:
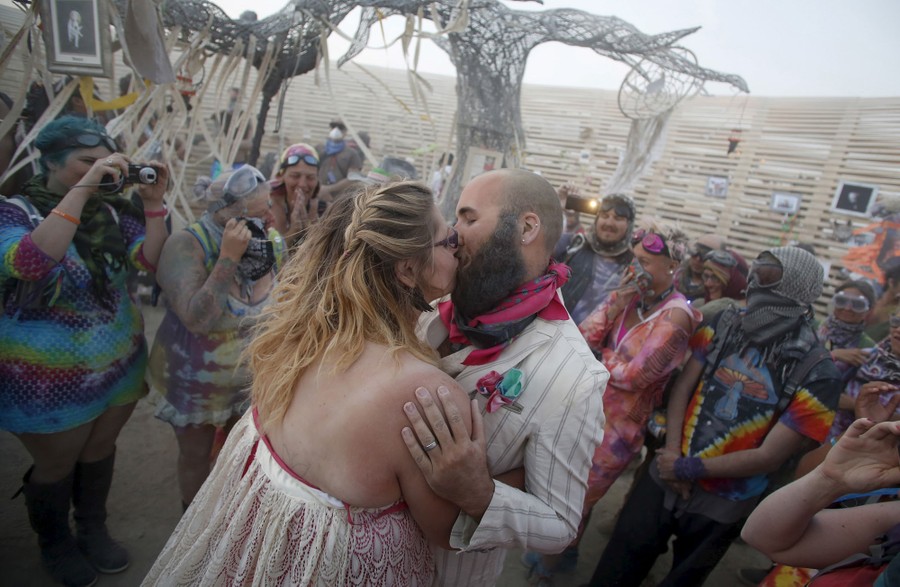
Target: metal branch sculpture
295,33
490,57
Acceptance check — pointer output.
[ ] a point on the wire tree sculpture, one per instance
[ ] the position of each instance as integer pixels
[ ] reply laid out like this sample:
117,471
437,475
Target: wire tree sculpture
490,55
295,33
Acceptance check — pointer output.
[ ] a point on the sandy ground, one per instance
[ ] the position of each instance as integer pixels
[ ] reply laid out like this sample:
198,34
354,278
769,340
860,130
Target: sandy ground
144,507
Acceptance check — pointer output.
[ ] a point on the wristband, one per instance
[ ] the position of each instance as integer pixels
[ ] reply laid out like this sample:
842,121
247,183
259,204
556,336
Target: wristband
157,213
66,216
689,468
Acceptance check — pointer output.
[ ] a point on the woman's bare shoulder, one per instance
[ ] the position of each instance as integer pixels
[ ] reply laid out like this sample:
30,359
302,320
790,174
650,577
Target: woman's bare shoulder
422,374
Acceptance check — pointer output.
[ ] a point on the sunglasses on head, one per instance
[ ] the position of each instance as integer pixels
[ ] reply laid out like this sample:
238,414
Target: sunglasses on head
86,140
720,257
858,304
652,243
451,242
307,158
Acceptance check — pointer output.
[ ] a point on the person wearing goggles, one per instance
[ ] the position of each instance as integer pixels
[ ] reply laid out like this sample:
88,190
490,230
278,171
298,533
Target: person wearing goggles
725,280
843,333
757,388
641,334
295,191
70,328
217,275
597,258
689,276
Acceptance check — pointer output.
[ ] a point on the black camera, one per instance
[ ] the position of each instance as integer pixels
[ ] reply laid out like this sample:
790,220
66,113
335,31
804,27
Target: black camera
585,205
145,174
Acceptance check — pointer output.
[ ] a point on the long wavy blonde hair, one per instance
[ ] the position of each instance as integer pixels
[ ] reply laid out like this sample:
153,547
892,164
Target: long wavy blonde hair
340,290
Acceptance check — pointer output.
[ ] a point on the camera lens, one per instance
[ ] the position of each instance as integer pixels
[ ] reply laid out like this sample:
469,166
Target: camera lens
147,175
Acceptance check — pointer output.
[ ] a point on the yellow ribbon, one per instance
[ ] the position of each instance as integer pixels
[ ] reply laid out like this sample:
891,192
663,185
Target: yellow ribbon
86,85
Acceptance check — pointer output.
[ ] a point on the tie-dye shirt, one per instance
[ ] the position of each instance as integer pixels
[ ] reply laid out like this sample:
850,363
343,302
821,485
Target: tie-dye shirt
732,410
66,358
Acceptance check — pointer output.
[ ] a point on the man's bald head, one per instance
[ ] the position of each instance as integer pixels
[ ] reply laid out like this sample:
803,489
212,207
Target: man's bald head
523,191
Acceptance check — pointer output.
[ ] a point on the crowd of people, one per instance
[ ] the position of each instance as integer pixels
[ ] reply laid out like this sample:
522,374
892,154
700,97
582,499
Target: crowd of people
501,371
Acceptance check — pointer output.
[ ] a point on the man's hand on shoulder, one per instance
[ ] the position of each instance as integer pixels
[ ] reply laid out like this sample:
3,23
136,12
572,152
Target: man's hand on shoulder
453,463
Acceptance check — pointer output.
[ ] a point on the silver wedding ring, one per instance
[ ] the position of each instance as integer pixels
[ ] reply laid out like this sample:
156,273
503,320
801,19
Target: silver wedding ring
109,161
430,446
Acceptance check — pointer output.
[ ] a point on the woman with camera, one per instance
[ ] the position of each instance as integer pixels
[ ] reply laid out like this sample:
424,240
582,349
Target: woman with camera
217,275
72,348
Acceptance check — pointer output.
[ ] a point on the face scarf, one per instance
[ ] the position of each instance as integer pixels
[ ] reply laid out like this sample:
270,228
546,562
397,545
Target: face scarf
492,331
97,239
774,311
841,335
334,147
257,260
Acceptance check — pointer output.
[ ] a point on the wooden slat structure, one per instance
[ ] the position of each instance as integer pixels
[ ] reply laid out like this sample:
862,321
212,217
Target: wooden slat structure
802,146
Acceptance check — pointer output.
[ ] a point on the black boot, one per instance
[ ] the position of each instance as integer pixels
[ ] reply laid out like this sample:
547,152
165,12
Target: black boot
48,512
91,488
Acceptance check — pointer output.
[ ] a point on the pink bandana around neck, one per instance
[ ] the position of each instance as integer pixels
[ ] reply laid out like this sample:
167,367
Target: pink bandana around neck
536,298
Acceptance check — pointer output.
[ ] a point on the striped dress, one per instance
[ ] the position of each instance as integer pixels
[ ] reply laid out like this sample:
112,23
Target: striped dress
66,358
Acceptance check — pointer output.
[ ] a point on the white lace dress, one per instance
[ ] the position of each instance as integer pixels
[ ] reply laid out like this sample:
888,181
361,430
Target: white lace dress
255,522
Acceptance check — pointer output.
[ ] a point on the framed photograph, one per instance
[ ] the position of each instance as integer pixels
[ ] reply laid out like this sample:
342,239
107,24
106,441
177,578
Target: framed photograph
854,198
479,161
76,33
717,186
785,203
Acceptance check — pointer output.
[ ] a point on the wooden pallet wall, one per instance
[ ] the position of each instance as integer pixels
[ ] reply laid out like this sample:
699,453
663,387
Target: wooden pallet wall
803,146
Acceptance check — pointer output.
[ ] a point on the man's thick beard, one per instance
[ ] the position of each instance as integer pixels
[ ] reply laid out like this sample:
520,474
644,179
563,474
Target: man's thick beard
495,270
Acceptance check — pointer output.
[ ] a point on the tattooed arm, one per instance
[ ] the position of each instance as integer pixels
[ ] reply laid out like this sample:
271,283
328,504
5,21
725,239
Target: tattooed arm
198,298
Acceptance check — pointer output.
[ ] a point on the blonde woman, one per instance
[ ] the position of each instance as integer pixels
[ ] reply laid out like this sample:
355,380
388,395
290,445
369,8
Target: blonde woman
314,487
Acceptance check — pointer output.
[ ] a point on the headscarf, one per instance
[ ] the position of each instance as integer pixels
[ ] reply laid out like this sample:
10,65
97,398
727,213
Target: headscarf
775,311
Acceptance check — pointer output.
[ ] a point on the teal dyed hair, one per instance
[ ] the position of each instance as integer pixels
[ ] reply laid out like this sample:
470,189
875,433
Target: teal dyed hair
59,130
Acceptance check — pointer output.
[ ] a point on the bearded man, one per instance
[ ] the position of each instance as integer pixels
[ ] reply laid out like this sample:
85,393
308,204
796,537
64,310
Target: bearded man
598,258
505,335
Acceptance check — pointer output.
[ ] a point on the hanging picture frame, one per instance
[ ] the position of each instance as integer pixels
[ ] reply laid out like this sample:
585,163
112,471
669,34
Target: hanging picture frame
854,198
76,34
785,203
717,186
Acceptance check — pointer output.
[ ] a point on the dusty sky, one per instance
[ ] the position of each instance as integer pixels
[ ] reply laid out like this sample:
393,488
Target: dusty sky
782,48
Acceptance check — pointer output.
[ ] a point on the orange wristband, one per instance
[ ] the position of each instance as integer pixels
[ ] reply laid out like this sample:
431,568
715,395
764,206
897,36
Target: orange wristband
66,216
